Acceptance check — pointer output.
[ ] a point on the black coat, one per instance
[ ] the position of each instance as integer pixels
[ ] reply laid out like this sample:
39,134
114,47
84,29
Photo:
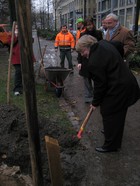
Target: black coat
115,87
82,60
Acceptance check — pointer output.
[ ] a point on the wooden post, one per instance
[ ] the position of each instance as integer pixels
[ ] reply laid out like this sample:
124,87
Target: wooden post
23,10
9,65
53,152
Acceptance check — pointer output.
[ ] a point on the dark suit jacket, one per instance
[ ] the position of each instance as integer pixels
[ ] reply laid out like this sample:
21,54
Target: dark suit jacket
115,87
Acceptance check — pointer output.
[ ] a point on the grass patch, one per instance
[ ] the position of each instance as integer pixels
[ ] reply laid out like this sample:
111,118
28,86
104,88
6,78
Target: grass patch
47,102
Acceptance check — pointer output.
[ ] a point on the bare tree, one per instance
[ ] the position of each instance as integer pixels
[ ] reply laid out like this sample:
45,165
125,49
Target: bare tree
48,21
34,14
34,17
41,13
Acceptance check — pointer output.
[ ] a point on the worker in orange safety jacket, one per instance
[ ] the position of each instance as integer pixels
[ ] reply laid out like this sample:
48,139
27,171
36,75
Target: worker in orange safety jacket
80,28
66,43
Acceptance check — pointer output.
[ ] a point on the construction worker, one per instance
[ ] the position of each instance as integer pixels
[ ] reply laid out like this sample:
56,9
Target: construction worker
66,43
80,28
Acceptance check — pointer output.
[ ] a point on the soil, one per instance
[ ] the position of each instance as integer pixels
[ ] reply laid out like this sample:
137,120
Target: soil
14,149
81,164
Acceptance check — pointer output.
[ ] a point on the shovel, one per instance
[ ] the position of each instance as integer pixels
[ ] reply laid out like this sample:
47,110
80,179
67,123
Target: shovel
79,135
41,62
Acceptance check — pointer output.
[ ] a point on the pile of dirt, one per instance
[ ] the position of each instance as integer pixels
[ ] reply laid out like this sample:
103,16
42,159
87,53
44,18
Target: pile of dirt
14,149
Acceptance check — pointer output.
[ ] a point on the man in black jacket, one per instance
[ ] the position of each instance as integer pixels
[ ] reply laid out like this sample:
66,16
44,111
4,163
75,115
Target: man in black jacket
115,87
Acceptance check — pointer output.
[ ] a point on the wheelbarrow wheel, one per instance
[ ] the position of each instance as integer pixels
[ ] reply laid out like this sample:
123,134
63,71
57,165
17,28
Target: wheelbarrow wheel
58,92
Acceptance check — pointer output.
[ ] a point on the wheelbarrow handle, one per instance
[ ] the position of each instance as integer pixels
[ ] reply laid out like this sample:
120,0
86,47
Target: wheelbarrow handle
79,135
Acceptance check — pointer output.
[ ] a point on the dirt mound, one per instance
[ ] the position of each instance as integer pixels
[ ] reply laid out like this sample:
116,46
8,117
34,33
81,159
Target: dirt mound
14,148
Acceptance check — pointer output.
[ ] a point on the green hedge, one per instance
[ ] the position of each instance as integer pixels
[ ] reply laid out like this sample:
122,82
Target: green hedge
134,59
47,34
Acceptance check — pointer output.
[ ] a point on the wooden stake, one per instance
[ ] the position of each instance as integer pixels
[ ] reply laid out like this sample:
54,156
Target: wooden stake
53,152
9,65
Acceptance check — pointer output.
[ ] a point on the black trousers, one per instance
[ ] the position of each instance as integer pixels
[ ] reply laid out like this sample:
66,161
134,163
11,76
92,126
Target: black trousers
66,53
18,79
113,129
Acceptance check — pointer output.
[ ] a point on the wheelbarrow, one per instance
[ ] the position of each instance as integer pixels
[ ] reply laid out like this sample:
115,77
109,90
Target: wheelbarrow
56,76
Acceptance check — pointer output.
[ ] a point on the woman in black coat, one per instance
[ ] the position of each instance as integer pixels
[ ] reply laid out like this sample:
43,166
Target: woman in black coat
115,87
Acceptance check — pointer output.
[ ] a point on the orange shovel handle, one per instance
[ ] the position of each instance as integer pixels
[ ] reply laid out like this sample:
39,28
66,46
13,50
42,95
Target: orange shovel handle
79,135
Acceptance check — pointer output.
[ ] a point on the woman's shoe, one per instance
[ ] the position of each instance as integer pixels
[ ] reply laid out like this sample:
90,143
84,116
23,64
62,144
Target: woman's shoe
103,150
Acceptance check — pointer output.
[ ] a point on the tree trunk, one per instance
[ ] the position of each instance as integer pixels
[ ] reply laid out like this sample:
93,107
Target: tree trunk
23,9
12,11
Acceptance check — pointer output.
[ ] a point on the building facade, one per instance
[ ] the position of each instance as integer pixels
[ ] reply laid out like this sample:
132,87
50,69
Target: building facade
125,9
68,11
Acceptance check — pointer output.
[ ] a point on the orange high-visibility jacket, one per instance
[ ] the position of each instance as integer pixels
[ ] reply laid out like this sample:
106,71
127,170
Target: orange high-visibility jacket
64,41
78,33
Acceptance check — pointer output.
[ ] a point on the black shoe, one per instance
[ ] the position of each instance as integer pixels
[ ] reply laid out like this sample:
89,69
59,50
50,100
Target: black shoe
103,150
102,131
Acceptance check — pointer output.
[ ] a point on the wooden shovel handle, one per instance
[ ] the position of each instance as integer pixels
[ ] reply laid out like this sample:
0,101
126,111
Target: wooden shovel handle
79,135
87,118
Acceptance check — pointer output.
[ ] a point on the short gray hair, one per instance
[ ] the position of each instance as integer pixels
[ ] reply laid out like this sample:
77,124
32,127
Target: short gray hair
85,41
113,16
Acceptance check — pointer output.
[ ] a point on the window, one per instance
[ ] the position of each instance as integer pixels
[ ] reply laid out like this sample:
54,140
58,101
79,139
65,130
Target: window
104,5
129,22
115,12
108,4
121,17
115,4
129,2
89,11
99,5
122,2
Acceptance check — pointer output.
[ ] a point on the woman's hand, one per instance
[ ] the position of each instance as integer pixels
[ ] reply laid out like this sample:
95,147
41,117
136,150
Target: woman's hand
93,107
79,66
